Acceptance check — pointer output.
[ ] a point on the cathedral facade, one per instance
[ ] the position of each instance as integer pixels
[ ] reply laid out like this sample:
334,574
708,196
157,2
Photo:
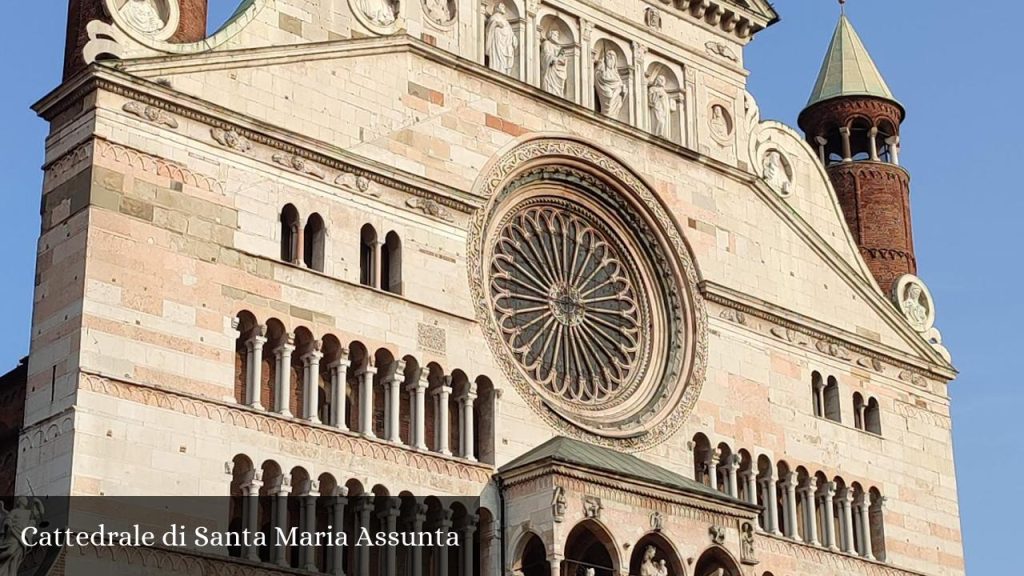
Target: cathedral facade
543,254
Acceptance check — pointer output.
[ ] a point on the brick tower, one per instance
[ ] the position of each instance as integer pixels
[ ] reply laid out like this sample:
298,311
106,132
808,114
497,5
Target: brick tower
191,27
853,120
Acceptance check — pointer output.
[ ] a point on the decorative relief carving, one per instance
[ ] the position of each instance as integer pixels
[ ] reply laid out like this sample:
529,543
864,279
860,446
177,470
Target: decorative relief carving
158,166
823,557
720,123
148,19
378,15
652,18
150,114
231,139
357,183
717,534
914,300
430,208
431,338
915,413
69,161
558,504
777,172
721,50
283,428
833,349
734,316
748,552
299,164
913,377
657,521
871,363
441,12
592,507
789,335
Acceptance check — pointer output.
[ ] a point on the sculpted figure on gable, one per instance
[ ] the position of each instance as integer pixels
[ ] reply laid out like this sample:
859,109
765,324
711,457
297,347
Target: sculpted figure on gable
143,15
440,11
379,12
500,42
611,90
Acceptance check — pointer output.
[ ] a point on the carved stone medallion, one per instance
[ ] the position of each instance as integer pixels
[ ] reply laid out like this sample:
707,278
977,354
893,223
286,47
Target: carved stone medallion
587,295
915,302
152,19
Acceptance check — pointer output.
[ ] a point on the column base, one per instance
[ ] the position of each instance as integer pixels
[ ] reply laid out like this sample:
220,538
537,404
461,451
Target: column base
369,435
286,414
314,420
257,406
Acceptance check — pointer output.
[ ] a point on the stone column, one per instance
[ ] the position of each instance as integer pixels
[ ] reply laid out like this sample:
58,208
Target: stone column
637,97
252,515
366,402
789,484
819,398
585,78
254,366
771,496
864,508
445,526
750,479
822,143
811,514
873,143
338,524
309,520
389,519
283,354
468,441
364,509
279,554
417,526
731,469
894,148
467,544
712,462
827,497
311,363
339,391
846,505
300,245
844,132
417,400
441,404
395,404
378,278
531,47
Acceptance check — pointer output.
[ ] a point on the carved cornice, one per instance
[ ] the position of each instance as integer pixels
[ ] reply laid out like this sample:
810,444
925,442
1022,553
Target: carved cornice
826,340
282,427
166,104
158,166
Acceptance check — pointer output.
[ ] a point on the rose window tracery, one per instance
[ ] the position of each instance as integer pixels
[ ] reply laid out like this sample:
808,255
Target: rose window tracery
566,302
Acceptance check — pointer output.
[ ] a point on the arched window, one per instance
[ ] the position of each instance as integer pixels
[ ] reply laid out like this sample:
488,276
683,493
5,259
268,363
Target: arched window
313,238
589,546
873,417
858,411
818,394
368,256
833,408
876,524
701,459
391,264
290,234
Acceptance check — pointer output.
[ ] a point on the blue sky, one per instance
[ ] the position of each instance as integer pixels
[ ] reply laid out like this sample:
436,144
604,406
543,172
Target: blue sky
957,72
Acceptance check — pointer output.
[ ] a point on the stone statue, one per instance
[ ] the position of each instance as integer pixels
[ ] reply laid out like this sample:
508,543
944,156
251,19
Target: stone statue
747,553
380,12
775,174
25,514
719,123
913,308
500,41
142,15
611,90
650,567
438,11
558,504
661,106
589,572
555,64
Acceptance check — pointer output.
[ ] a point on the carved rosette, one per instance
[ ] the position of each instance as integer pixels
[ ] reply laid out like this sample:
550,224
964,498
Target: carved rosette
587,294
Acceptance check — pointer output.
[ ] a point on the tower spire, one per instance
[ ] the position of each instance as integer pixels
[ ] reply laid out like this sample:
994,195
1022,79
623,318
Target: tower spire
853,120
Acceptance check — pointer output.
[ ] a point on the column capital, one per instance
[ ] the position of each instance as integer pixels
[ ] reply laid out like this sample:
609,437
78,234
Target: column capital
342,362
368,369
312,357
420,383
733,462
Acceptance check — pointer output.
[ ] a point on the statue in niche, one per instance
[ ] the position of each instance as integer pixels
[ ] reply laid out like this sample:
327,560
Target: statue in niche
611,90
650,567
661,106
748,554
775,173
143,15
719,122
379,12
555,64
500,41
914,308
439,11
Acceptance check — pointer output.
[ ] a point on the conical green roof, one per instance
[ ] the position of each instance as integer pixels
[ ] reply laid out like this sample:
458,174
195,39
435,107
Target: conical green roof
848,69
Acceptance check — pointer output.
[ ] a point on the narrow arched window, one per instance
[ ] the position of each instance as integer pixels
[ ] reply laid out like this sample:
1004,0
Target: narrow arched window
290,234
313,237
368,256
873,417
391,264
833,408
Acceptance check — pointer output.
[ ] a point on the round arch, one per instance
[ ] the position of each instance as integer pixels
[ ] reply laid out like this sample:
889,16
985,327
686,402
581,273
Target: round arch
717,561
655,548
590,545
